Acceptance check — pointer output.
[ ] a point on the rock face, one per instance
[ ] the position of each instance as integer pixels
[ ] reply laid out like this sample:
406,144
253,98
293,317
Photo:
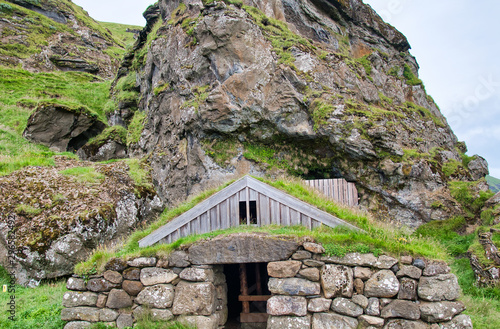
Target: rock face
217,77
252,248
70,218
72,40
62,128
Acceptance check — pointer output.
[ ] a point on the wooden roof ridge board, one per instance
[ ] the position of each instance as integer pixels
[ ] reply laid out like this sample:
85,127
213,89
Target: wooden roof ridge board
250,182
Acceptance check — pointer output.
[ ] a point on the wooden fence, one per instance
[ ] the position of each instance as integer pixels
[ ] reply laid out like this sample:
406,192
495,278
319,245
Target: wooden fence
336,189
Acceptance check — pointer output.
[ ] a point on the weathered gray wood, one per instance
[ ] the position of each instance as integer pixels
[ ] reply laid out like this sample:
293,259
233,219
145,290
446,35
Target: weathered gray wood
185,230
285,215
273,207
175,235
336,189
297,204
204,228
214,218
275,212
224,214
193,212
294,217
263,205
306,221
247,198
234,211
253,195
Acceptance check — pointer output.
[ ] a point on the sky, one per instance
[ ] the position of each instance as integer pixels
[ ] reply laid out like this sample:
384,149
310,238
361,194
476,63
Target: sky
456,43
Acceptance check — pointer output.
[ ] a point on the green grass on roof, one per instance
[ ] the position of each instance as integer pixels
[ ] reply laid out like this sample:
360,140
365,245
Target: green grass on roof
338,241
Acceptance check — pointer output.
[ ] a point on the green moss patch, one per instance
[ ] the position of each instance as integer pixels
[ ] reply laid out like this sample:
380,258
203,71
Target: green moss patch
410,77
84,174
135,127
280,36
114,133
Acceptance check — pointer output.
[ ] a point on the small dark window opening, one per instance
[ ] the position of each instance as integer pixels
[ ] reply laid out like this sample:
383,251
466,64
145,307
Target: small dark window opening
243,212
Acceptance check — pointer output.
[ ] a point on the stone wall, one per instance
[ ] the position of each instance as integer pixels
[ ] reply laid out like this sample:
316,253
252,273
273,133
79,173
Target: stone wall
309,290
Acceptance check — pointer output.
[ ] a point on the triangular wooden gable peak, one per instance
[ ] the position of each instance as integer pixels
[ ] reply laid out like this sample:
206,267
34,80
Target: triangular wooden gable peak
221,211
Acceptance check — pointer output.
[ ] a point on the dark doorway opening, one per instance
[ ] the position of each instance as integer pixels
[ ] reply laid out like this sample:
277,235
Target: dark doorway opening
232,272
252,212
247,294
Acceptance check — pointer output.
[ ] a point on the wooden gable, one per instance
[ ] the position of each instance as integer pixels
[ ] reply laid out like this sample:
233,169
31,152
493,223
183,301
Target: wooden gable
258,203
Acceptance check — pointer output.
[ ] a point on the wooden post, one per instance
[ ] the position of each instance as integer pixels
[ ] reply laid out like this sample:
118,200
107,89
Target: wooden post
257,278
248,204
244,287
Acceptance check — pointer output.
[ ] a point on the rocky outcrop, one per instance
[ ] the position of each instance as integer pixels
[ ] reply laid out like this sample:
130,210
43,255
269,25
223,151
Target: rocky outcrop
110,144
312,88
199,295
62,128
60,216
45,36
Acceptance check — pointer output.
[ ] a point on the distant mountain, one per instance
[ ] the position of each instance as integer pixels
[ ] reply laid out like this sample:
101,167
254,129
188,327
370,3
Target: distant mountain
494,183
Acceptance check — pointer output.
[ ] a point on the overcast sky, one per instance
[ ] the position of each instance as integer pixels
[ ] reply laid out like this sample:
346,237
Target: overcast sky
456,43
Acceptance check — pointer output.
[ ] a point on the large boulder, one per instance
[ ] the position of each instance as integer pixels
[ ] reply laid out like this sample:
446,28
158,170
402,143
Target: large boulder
74,217
294,287
287,305
158,296
337,280
61,127
290,322
242,248
332,320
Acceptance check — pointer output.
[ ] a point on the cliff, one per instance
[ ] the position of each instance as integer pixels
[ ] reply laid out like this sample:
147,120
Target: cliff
315,89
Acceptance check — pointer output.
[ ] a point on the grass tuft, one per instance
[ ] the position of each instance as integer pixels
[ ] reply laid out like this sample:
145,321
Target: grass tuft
84,174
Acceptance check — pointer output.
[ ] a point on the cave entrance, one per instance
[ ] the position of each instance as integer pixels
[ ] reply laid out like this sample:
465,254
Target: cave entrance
247,295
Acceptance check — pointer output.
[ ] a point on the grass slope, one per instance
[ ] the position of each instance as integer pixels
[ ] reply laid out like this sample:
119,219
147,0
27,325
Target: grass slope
21,91
119,31
494,183
35,308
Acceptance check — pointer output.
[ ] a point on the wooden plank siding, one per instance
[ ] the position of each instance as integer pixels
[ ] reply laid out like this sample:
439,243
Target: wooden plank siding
221,211
338,190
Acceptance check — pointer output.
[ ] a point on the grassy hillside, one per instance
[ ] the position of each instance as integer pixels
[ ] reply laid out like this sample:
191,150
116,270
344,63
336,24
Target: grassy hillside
494,183
20,91
35,308
119,31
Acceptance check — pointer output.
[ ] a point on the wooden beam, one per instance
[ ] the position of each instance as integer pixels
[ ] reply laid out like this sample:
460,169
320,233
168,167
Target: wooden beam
247,201
254,298
244,287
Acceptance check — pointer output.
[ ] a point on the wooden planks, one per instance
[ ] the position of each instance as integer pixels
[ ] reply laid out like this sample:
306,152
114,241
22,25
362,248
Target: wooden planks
221,211
336,189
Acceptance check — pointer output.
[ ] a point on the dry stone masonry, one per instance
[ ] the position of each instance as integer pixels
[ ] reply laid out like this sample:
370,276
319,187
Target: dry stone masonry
309,290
